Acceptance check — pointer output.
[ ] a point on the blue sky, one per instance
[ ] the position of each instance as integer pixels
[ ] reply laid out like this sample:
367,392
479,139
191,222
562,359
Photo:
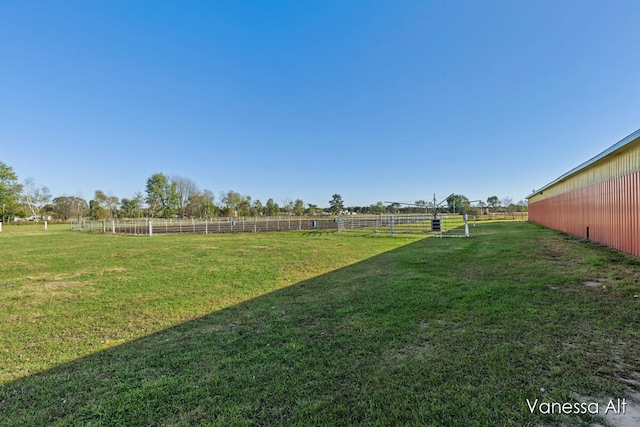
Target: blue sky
374,100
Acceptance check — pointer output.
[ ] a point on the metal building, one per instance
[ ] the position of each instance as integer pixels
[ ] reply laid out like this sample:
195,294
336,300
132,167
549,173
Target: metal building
598,200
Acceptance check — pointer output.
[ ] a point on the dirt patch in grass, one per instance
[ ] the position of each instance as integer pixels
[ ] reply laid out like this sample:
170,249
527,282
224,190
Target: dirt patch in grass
620,411
417,351
592,284
113,270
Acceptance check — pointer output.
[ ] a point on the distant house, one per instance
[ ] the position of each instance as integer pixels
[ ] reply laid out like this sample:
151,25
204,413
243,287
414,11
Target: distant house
598,200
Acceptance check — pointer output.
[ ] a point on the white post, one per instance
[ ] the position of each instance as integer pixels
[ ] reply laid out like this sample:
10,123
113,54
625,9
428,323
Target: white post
206,226
45,225
0,227
113,227
150,228
466,226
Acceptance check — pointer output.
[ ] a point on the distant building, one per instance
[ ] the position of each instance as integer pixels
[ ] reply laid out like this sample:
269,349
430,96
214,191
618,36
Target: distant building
598,200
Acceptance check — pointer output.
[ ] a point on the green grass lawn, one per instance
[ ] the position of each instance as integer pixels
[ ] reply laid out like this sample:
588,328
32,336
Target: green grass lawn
303,328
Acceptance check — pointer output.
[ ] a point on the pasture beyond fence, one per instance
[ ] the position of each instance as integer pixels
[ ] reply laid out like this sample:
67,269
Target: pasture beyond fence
442,225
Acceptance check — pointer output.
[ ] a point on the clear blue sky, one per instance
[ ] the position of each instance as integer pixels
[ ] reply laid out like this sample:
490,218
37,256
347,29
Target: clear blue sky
374,100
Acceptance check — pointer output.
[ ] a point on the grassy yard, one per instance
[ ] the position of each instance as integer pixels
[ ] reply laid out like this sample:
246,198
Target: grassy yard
303,328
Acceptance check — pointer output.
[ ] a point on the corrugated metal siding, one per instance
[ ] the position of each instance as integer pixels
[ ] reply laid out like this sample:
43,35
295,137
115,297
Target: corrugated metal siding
609,208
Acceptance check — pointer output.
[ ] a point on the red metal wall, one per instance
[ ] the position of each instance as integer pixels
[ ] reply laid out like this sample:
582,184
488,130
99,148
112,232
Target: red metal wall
610,209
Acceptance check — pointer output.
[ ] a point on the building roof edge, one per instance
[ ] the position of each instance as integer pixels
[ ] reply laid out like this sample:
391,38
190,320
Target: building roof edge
615,147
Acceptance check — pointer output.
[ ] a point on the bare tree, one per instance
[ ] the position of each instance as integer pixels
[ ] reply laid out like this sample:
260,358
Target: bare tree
186,189
287,205
523,206
34,197
506,203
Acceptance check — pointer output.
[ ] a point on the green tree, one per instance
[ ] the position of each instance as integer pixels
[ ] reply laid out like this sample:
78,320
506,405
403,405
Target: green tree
393,207
244,207
421,205
493,202
66,207
108,202
201,204
312,209
257,209
10,191
129,208
336,204
272,208
378,208
458,203
96,211
162,196
207,206
298,207
235,204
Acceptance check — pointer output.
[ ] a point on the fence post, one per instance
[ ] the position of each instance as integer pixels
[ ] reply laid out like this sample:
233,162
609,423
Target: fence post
113,227
206,226
466,225
391,224
150,228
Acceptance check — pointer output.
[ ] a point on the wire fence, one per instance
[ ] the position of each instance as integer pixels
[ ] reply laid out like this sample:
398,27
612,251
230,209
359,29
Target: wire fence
378,224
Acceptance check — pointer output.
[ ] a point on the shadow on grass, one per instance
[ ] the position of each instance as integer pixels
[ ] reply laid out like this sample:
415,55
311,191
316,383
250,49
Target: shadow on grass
390,340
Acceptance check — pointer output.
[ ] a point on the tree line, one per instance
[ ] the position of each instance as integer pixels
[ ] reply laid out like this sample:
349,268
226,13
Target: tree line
176,196
164,197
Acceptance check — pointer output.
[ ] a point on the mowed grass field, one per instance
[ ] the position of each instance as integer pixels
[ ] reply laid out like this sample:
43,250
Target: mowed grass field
303,328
